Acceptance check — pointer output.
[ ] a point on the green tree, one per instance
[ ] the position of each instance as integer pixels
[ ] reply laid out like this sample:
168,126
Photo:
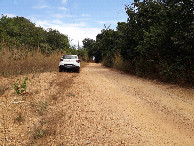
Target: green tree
19,32
88,44
156,41
56,40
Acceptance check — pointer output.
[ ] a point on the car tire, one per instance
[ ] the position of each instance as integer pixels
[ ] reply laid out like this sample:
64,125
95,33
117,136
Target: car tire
60,70
78,70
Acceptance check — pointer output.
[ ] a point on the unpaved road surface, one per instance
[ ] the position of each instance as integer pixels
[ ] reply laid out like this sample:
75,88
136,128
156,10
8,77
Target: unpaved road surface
118,109
98,106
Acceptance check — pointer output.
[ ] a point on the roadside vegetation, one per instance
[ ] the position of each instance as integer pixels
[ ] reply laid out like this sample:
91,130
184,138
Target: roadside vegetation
155,42
26,48
20,62
32,106
30,82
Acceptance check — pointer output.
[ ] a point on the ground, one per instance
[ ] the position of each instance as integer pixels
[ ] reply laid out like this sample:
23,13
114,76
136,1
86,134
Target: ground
98,106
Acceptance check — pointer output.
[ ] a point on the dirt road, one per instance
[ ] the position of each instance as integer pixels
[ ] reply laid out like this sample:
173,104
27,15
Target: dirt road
118,109
98,106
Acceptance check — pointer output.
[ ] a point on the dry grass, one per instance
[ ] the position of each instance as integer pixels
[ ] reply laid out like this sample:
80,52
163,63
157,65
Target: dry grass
32,118
122,65
17,62
2,89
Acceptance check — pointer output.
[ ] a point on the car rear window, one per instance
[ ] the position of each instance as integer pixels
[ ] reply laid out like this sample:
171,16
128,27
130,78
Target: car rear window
69,57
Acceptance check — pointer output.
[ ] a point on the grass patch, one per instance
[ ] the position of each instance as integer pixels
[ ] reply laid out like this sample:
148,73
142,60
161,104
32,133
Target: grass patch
40,107
2,90
40,133
17,62
122,65
20,87
19,118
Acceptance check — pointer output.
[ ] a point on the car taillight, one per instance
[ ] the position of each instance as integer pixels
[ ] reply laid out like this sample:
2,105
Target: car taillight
61,59
77,61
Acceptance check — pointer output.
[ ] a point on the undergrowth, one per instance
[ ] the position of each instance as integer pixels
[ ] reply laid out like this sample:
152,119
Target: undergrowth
20,87
33,109
129,67
19,62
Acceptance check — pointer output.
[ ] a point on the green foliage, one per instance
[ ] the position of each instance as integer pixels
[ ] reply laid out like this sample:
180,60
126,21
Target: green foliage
104,48
56,40
88,45
156,41
20,87
19,32
164,44
83,54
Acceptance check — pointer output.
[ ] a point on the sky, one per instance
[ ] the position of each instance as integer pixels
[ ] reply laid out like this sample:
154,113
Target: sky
78,19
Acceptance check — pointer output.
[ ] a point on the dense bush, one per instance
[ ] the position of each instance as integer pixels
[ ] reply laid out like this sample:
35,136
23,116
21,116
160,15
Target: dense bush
19,32
156,41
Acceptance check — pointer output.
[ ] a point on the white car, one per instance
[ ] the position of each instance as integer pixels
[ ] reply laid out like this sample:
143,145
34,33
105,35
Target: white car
69,62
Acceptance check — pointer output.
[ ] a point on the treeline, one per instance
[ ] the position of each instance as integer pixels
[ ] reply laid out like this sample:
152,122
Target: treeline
156,41
24,47
19,32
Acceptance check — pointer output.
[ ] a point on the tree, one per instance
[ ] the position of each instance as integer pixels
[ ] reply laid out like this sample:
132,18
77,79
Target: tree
156,41
19,31
57,40
88,44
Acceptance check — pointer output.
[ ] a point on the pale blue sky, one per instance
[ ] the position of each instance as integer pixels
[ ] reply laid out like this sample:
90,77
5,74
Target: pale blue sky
76,18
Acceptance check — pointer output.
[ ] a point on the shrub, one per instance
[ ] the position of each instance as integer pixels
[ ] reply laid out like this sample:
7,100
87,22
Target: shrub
20,88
